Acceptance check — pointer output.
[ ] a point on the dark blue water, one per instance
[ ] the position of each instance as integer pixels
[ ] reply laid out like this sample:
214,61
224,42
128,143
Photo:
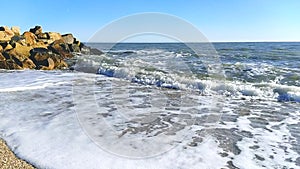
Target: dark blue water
262,65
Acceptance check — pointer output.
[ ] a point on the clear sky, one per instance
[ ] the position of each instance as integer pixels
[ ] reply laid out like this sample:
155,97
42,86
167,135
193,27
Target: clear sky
218,20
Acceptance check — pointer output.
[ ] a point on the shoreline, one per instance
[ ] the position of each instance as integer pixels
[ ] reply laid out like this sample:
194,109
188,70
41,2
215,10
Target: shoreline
8,159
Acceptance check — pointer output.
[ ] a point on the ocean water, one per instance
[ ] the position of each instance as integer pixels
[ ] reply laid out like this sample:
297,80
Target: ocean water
221,105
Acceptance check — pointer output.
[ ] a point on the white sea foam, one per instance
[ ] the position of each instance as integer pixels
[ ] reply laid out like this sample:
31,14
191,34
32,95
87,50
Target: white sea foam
46,132
39,122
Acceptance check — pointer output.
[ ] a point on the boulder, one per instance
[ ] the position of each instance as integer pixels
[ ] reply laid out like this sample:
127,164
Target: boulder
11,64
16,30
68,38
74,48
54,36
30,38
2,58
4,37
17,39
40,44
6,46
49,64
20,52
44,59
61,48
43,36
45,41
36,30
90,51
28,64
59,63
8,31
39,54
37,50
3,65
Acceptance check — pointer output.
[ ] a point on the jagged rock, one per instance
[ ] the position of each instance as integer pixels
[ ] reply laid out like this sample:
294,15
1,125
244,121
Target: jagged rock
36,30
90,51
28,64
45,59
39,54
40,44
74,48
6,46
20,52
30,38
3,65
95,51
40,57
17,39
2,58
4,37
11,62
16,30
59,63
68,38
37,50
7,31
43,36
61,48
48,64
54,36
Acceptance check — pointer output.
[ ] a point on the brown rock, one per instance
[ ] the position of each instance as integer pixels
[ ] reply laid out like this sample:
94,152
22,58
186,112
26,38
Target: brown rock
7,31
8,47
11,64
4,37
36,30
68,38
61,48
16,30
20,52
2,58
49,65
28,64
30,38
42,58
1,49
59,62
74,48
3,65
54,36
43,36
40,44
17,39
39,54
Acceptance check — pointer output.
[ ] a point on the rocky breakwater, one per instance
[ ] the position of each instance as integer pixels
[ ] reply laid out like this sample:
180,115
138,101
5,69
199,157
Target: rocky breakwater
35,49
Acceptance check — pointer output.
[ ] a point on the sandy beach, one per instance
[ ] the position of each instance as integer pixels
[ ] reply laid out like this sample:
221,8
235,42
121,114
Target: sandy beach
8,159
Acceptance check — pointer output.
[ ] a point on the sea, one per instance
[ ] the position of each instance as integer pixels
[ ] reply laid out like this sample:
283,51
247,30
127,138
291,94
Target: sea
159,105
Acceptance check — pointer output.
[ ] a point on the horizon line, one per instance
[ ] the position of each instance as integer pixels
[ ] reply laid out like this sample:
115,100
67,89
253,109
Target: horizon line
210,42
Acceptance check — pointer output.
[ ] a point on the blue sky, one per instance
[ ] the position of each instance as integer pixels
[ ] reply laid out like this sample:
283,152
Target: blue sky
218,20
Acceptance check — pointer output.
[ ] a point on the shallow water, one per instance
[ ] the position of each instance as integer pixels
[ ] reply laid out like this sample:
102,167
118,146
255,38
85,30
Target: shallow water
144,111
